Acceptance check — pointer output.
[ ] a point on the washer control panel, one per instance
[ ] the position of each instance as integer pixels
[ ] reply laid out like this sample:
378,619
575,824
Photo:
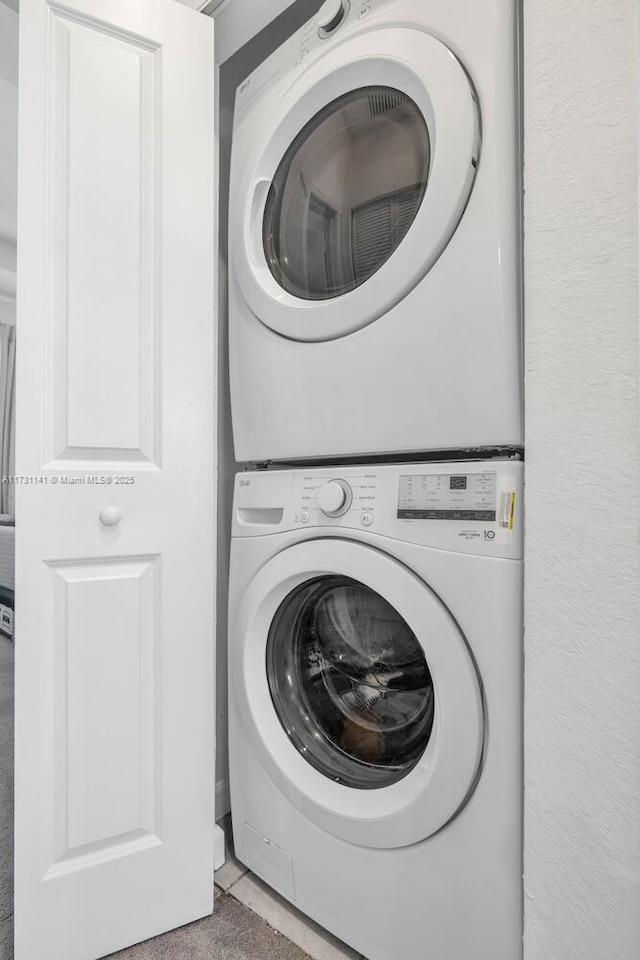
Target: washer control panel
447,496
467,507
335,497
345,494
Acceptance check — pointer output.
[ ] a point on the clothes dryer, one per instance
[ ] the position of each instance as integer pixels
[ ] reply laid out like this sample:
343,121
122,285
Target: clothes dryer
375,658
374,301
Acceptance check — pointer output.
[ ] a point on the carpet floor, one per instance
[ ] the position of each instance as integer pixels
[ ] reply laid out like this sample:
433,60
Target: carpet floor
6,798
234,932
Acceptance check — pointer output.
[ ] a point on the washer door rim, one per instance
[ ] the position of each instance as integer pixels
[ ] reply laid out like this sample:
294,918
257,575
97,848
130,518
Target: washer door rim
418,65
431,794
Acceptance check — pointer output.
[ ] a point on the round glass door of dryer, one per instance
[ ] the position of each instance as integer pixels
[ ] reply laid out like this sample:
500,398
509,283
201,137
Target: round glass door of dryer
349,183
346,193
349,682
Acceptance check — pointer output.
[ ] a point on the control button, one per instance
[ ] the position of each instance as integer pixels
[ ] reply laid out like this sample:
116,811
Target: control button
335,497
363,11
331,15
366,519
304,516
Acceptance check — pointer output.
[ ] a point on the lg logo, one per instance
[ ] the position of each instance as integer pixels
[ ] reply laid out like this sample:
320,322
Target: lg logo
489,534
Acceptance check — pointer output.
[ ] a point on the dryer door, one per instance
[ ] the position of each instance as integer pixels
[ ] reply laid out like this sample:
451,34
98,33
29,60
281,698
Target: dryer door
358,692
357,179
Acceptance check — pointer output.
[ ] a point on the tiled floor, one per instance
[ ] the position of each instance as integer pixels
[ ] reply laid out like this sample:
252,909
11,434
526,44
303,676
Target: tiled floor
236,880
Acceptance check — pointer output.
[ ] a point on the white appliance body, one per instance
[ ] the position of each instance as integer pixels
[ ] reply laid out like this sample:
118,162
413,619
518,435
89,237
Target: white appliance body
342,344
413,862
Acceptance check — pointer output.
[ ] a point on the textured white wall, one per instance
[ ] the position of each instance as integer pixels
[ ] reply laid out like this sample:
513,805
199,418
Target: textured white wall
582,674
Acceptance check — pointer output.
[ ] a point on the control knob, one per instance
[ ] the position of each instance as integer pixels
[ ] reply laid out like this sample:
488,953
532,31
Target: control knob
334,498
331,15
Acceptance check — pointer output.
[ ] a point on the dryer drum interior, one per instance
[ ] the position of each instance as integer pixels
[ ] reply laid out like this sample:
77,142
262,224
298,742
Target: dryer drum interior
346,192
349,682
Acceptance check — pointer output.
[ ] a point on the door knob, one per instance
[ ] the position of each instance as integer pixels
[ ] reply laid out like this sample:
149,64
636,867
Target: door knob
110,516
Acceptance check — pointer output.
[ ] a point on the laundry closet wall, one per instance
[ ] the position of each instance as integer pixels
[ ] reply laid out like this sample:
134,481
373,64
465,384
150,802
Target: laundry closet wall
582,673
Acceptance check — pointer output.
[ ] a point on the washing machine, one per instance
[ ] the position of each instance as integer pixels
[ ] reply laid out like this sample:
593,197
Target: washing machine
374,239
375,651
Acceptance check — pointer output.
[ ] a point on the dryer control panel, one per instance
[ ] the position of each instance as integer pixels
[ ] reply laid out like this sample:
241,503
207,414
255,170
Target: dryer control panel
339,17
467,507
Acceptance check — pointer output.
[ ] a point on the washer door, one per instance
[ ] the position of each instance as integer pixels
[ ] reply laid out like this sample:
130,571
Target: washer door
359,178
358,692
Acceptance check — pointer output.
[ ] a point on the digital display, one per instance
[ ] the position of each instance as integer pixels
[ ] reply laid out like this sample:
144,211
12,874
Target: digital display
447,497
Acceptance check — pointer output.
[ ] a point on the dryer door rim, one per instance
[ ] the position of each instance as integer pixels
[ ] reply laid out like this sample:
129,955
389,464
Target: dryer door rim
432,793
416,64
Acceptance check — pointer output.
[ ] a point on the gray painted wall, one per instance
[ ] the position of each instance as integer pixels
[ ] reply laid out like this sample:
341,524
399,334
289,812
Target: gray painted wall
232,73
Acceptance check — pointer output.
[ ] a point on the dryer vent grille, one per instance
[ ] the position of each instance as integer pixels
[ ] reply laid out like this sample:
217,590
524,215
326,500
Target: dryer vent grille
383,101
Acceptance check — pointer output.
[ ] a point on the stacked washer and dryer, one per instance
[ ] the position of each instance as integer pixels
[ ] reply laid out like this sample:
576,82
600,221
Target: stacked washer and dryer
375,641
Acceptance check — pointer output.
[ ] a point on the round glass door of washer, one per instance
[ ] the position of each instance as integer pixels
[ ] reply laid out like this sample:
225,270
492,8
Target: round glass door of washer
349,682
346,192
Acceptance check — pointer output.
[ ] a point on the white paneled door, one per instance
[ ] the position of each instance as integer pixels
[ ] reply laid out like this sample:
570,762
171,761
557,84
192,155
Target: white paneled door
115,475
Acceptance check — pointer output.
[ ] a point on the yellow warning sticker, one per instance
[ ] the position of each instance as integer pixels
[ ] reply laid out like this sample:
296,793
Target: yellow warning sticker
506,518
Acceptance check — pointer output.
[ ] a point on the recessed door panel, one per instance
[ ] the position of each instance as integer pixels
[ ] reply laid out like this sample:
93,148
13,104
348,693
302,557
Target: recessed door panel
105,695
104,169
